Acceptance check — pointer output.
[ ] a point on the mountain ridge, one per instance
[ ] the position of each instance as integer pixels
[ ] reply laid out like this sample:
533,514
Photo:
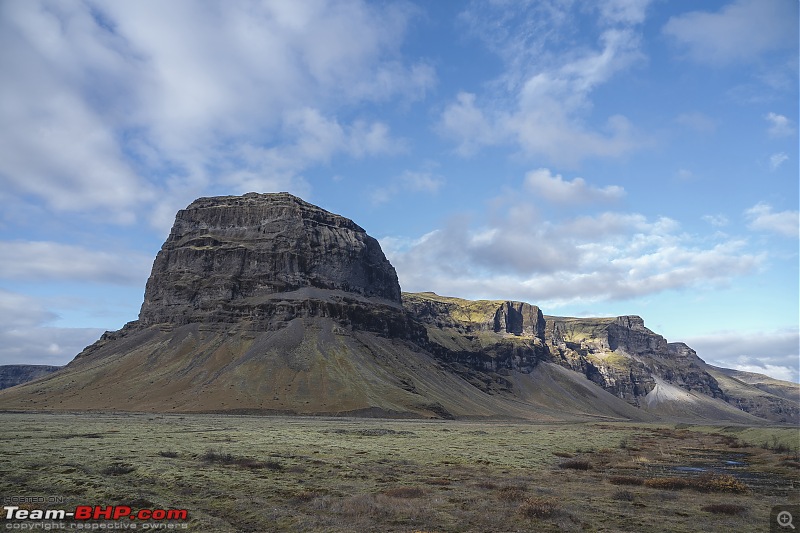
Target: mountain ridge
265,303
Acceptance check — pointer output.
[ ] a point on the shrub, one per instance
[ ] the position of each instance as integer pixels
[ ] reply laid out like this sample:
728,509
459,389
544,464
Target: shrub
669,483
576,464
306,495
704,483
719,483
216,456
724,508
623,495
118,469
625,480
511,494
538,507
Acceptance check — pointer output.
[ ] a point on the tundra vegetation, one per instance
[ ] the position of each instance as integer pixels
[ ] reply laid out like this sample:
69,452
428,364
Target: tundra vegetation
243,473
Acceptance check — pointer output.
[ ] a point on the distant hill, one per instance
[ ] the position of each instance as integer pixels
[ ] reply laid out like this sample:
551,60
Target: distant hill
11,375
266,304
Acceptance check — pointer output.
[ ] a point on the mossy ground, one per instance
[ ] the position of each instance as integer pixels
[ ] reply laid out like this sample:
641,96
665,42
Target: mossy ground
238,473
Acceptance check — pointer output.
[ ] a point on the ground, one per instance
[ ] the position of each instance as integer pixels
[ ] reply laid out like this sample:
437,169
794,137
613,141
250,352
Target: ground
240,473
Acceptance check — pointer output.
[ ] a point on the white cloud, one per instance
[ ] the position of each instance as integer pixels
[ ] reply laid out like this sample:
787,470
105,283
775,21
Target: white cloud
44,261
761,217
547,94
774,353
624,11
516,254
44,345
779,125
408,181
25,338
743,30
555,189
718,221
98,95
778,372
776,160
465,122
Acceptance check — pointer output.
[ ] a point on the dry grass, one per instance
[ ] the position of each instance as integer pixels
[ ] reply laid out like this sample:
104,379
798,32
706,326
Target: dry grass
625,480
404,492
538,507
623,495
719,483
668,483
576,464
511,493
725,508
118,469
238,473
215,456
704,483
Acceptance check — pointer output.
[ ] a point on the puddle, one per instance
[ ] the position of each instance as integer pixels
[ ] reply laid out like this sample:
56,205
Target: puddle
689,469
734,464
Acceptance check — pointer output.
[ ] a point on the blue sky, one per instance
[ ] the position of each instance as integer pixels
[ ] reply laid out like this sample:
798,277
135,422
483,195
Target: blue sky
594,158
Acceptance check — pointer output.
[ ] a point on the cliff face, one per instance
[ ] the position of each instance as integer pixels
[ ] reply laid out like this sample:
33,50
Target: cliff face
485,334
231,258
623,356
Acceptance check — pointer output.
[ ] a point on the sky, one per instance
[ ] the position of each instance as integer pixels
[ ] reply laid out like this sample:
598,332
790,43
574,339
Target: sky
593,158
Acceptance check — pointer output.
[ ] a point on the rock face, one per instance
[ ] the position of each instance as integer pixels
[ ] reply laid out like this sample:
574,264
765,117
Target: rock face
11,375
629,360
229,259
264,303
623,356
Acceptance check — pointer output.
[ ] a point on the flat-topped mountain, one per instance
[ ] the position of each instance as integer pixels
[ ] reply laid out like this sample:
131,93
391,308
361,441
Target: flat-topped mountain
264,303
227,257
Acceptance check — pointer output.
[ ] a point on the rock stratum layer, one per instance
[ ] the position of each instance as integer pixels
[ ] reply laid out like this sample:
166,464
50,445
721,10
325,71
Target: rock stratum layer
264,303
239,259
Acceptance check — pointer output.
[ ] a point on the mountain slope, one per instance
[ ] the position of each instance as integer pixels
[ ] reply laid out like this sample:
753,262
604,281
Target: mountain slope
264,303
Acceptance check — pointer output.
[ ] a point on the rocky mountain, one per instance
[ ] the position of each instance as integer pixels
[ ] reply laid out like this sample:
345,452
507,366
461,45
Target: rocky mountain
618,354
11,375
264,303
760,395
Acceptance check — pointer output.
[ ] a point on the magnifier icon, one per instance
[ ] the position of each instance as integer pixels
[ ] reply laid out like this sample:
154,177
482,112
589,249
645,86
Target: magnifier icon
785,519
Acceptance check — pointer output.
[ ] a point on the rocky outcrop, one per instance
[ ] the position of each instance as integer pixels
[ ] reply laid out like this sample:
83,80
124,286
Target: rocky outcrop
482,341
623,356
230,259
11,375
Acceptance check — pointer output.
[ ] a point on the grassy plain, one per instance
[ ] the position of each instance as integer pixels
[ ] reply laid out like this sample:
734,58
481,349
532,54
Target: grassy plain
240,473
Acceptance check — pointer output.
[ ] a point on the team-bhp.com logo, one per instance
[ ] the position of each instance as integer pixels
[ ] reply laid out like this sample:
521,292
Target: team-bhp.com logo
83,513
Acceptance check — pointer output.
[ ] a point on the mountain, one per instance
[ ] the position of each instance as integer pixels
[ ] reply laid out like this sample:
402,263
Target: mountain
264,303
760,395
11,375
